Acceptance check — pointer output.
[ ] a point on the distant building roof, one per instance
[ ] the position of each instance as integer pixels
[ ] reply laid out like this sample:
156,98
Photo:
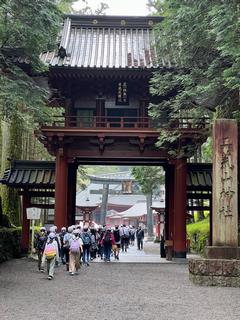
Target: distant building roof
105,42
140,209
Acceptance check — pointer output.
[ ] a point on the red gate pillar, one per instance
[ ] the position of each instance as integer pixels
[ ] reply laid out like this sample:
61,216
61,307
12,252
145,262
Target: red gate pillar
61,188
71,204
171,201
25,223
180,209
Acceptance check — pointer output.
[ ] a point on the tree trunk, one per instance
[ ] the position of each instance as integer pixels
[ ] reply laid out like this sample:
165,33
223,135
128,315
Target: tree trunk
149,217
11,148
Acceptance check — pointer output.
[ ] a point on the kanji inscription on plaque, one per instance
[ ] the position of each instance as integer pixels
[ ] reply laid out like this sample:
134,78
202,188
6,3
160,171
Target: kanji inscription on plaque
226,195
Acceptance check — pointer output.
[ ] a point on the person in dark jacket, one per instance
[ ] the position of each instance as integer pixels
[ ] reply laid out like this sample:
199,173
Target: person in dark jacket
107,242
117,238
140,237
39,245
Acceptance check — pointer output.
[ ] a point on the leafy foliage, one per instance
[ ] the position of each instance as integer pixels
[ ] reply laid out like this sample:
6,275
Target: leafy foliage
9,243
199,42
198,233
148,177
27,28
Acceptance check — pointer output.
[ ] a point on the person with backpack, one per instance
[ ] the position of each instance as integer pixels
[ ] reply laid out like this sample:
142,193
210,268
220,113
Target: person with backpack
108,241
140,237
87,241
66,245
39,245
62,251
50,254
117,238
94,247
74,252
124,233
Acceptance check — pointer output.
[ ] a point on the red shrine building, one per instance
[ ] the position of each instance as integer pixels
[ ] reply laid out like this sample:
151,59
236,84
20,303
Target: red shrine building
99,76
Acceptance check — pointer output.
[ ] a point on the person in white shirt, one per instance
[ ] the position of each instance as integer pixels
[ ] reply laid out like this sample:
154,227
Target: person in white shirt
124,234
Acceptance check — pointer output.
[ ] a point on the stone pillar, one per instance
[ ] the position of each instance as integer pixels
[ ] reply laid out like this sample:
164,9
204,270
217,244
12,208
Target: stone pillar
150,236
225,183
25,223
61,189
180,209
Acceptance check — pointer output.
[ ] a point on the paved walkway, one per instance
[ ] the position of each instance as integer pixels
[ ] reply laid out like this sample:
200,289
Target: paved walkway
149,254
113,291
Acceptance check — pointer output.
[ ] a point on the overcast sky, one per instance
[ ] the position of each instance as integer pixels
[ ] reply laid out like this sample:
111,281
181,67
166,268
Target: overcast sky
120,7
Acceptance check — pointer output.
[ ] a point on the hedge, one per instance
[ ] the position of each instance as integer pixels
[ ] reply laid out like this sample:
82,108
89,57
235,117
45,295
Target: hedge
198,233
10,243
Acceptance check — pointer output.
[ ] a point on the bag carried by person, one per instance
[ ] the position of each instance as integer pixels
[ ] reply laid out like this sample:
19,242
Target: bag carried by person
75,246
86,238
66,244
114,248
50,251
107,239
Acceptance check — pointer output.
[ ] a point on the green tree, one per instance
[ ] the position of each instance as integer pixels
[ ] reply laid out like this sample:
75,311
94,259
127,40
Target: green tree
150,179
199,43
27,28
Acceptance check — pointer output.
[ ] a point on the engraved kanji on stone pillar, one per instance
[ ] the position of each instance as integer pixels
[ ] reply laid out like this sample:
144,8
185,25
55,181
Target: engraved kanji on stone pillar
225,183
227,171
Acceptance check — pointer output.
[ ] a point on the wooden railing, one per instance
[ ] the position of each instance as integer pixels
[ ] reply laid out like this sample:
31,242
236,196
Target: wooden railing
129,123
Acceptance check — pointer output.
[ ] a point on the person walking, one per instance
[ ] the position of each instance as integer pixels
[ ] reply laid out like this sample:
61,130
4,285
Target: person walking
107,242
50,254
39,245
66,245
124,234
101,232
62,251
140,237
132,235
74,252
87,240
94,247
117,238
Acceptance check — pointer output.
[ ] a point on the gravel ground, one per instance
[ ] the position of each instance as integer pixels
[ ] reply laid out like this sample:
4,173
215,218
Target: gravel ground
112,291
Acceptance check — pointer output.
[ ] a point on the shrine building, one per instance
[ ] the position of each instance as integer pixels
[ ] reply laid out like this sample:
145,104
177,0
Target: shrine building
99,76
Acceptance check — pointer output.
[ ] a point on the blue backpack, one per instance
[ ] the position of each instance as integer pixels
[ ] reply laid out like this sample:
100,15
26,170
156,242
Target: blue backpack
86,238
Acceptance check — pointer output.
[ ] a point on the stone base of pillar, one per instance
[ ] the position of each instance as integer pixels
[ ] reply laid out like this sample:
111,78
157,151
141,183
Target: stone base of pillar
150,239
179,255
222,252
215,272
24,252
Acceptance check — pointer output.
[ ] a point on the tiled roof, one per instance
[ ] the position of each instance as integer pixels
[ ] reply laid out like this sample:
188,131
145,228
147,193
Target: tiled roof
35,174
105,42
199,177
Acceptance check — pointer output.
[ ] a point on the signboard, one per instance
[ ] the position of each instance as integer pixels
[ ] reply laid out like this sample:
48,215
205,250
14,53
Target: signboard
33,213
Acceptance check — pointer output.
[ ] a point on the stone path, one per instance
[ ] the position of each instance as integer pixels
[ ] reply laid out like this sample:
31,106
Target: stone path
150,254
113,291
140,256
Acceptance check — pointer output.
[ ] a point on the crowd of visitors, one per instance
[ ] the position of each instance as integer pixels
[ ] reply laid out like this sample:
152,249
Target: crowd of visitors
75,246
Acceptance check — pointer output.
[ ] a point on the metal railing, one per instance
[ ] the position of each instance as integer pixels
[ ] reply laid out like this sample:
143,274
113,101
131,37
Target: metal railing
114,122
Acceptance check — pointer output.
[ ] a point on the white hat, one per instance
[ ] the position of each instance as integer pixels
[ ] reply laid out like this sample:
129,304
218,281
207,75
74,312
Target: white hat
76,231
42,229
52,235
53,229
63,229
70,229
